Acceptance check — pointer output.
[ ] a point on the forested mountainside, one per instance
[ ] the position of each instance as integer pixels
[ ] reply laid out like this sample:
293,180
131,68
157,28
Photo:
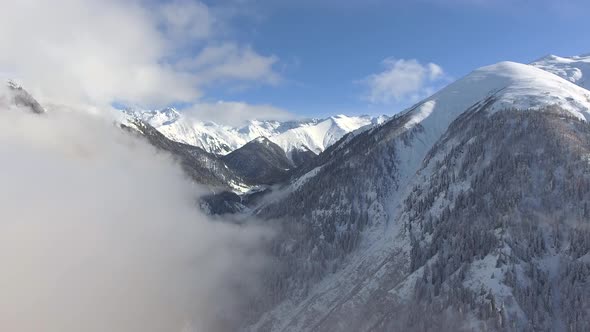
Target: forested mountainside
469,205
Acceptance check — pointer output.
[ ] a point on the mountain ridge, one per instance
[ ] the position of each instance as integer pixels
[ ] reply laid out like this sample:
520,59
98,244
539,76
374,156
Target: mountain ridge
300,135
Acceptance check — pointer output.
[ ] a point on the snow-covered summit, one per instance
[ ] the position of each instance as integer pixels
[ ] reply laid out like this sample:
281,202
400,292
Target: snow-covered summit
156,118
319,135
575,69
510,85
302,135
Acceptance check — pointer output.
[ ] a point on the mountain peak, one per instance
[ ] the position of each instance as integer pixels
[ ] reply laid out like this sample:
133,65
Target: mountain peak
504,85
13,84
259,161
21,97
156,118
575,69
261,140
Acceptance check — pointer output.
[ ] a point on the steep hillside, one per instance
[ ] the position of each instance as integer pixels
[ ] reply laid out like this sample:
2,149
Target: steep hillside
201,166
445,217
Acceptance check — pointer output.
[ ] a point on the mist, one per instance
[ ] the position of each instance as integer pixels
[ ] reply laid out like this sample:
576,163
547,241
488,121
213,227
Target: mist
101,232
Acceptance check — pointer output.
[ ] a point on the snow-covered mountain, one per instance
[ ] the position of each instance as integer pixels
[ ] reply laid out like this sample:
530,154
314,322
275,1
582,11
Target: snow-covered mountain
320,134
575,69
302,135
466,212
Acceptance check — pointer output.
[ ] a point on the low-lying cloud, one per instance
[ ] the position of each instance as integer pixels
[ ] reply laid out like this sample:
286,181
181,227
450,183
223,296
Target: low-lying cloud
236,113
100,232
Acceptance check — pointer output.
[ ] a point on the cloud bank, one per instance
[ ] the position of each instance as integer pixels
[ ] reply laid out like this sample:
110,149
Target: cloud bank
96,52
100,232
402,81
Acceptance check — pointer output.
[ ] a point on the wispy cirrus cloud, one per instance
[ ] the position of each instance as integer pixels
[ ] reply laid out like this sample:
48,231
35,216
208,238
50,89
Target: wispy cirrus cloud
230,61
403,80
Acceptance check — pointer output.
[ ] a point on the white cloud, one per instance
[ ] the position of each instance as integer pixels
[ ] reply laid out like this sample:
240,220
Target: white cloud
100,232
184,18
236,113
403,80
99,51
229,61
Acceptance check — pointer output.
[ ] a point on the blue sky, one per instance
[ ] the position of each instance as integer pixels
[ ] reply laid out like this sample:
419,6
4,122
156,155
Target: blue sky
233,60
326,49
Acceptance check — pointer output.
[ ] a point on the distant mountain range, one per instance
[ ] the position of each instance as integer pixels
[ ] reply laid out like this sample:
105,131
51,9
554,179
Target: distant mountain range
296,136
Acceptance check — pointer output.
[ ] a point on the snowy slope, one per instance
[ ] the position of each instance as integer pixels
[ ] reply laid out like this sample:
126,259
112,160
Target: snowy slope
575,69
366,211
314,134
317,136
511,84
209,136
